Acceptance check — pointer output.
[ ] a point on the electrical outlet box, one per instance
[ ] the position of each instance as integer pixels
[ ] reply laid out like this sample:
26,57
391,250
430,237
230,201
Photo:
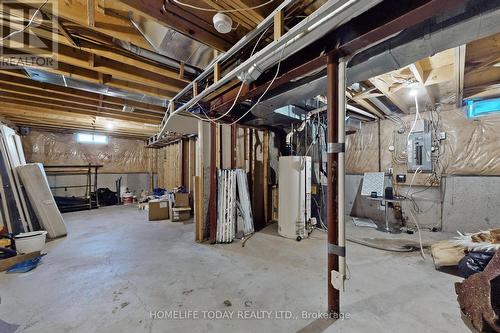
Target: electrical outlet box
401,178
442,136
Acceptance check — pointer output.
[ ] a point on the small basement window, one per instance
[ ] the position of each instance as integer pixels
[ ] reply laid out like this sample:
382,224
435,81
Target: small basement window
483,107
91,138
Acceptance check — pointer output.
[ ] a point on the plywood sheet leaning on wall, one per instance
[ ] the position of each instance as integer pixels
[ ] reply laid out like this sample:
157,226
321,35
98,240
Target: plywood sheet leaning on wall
471,146
37,187
117,156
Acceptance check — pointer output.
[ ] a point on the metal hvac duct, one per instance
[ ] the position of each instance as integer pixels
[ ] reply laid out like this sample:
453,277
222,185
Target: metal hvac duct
326,18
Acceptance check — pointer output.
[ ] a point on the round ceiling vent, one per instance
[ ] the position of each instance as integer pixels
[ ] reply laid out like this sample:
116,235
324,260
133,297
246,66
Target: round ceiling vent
222,23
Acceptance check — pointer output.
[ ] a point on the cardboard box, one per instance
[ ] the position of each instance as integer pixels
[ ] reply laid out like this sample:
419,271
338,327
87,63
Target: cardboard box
159,210
181,200
181,214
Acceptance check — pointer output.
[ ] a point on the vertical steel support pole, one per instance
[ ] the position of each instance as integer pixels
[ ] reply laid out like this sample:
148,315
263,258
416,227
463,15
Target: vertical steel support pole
332,187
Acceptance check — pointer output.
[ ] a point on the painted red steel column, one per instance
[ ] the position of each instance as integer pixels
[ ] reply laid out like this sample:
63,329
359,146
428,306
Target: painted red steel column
332,193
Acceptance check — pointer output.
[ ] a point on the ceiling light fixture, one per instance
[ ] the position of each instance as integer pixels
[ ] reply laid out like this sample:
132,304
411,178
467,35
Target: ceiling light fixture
223,23
110,126
496,64
413,92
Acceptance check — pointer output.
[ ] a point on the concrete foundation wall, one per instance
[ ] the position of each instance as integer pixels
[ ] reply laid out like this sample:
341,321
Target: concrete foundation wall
135,182
464,203
471,204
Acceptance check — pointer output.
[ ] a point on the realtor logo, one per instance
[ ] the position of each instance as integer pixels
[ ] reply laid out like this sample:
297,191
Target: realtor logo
28,32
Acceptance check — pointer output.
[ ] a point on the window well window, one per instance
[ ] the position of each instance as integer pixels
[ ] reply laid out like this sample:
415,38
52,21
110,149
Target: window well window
482,108
91,138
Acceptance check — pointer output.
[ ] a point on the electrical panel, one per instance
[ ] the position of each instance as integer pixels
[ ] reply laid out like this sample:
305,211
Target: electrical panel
420,152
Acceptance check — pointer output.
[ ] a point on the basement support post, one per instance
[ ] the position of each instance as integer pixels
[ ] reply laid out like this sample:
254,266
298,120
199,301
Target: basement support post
213,184
335,147
234,134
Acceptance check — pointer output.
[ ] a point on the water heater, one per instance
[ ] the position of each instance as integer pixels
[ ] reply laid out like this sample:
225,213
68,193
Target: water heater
294,209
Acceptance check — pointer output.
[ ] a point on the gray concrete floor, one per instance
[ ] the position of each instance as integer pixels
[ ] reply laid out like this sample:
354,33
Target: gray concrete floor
114,268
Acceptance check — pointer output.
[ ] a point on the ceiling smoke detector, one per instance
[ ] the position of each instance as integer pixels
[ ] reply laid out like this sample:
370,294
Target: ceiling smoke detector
223,23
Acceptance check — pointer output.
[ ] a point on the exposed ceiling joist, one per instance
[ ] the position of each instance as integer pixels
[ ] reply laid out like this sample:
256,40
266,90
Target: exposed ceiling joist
419,75
394,98
12,79
181,21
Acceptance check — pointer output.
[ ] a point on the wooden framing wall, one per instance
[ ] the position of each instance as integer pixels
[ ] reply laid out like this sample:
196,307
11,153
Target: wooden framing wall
176,165
251,153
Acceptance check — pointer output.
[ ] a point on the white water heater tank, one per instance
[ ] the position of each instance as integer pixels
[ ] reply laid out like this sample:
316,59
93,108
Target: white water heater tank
294,208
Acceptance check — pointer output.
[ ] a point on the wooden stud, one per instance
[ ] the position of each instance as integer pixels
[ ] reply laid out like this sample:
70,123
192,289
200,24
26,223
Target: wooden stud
278,25
198,209
91,13
212,211
218,134
234,145
92,59
181,70
265,165
459,72
216,72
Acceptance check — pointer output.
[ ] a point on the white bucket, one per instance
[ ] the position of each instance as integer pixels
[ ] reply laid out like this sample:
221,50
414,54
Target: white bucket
30,241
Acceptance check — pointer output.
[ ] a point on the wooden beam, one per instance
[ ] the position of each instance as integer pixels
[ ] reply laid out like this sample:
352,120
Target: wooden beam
384,89
459,73
367,105
104,48
88,60
63,31
91,13
181,21
21,102
181,70
239,17
20,83
66,120
77,12
419,75
28,95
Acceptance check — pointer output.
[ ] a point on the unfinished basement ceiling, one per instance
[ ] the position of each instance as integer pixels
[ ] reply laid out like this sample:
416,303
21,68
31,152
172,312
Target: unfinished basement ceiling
118,59
450,77
446,76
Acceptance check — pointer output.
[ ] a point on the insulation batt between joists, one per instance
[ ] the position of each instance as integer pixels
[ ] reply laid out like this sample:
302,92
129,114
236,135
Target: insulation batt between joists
471,147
